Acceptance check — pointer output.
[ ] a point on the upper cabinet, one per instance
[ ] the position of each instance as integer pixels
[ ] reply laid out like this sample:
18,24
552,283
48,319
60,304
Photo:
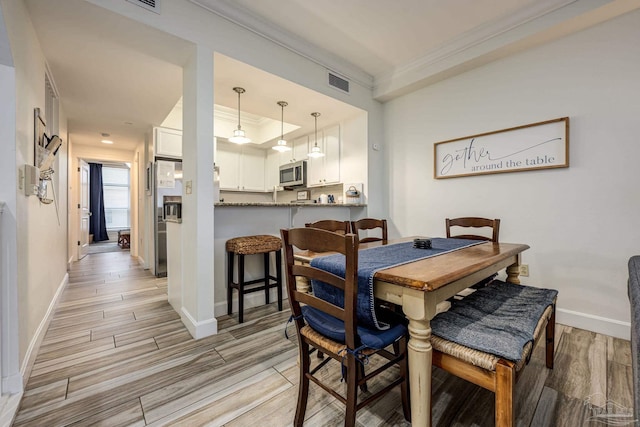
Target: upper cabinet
252,169
272,168
325,170
167,142
300,149
242,168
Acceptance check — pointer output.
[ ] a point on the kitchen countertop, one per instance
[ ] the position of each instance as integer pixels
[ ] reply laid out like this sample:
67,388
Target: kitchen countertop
290,204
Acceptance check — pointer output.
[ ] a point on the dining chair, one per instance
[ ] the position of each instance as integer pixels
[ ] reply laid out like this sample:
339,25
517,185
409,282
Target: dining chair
342,227
474,222
370,224
334,330
463,344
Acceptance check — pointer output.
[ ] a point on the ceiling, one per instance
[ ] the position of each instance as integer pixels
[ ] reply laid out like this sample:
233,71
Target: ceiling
117,76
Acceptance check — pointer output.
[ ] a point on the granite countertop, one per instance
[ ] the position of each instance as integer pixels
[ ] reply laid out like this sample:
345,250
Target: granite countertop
289,204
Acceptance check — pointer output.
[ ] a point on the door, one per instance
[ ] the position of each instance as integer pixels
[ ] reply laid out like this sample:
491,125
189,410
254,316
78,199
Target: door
83,236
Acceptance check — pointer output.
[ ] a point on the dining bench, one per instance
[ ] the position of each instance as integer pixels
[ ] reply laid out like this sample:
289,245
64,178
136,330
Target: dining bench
488,337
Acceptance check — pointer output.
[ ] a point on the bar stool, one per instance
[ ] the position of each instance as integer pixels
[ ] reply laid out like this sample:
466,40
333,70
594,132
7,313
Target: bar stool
123,238
253,245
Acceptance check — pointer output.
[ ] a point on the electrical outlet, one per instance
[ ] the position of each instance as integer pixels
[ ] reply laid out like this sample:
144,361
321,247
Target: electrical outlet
524,270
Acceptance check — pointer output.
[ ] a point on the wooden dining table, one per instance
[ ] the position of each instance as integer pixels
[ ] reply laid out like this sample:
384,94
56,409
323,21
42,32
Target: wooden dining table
419,286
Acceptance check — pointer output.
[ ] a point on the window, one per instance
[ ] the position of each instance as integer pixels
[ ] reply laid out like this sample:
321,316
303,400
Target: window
115,186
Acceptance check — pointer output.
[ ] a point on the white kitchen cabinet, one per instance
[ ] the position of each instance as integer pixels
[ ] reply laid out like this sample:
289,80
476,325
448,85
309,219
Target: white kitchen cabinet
252,164
325,170
272,168
167,142
300,149
241,168
228,158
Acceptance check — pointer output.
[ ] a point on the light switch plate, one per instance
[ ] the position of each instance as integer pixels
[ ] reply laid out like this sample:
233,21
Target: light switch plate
188,187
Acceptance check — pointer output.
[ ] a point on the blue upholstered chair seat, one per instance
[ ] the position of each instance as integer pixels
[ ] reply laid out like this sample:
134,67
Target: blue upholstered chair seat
333,328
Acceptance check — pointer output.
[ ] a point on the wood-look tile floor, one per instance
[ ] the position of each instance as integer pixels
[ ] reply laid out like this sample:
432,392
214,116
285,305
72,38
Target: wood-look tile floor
116,354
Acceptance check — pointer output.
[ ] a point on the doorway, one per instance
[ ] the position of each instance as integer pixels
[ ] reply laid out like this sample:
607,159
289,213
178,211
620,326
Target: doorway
105,206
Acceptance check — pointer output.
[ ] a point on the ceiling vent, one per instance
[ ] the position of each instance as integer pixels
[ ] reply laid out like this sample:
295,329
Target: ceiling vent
338,82
152,5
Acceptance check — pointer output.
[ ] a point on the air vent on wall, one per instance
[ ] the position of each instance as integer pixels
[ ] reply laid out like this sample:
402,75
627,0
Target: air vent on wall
338,82
152,5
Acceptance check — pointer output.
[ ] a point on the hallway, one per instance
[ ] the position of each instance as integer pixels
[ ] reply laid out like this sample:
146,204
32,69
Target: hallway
117,354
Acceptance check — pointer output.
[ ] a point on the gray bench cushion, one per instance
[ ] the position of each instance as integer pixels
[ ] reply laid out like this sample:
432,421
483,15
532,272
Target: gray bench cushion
499,319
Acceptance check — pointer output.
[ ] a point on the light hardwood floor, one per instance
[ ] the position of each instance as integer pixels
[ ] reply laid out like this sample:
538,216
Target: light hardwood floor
116,354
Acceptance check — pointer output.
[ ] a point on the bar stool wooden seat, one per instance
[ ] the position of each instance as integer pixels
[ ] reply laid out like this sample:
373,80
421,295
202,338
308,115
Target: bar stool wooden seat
253,245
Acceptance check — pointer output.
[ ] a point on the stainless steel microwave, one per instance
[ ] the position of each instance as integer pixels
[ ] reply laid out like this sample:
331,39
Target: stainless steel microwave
293,174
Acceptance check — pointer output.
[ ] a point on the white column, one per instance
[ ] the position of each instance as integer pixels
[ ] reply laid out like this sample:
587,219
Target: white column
197,198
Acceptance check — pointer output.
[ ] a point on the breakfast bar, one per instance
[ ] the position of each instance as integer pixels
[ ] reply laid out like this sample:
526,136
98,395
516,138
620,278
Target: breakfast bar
233,220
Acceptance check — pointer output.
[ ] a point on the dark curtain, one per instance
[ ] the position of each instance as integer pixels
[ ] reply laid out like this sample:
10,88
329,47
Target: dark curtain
97,223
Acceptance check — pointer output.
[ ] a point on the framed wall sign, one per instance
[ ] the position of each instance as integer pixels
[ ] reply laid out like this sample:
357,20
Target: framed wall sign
540,145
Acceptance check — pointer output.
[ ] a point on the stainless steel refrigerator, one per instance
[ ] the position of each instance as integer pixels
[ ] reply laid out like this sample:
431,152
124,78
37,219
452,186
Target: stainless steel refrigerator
168,182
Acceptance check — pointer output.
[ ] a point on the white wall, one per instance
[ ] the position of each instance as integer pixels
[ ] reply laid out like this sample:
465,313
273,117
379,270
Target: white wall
581,222
9,337
41,271
353,151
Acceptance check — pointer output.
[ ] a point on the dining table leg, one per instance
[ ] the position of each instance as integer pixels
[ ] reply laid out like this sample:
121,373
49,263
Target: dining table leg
420,355
419,310
513,272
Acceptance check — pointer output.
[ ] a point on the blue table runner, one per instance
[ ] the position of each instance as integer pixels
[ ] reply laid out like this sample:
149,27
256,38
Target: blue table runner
372,260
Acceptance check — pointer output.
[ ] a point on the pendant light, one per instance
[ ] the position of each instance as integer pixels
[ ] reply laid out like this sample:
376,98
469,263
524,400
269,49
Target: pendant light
282,144
238,134
315,151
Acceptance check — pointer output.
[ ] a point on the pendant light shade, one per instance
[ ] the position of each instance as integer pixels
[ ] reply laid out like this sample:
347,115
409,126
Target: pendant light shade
315,151
238,134
282,144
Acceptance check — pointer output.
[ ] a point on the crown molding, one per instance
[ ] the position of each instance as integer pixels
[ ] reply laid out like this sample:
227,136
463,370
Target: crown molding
248,20
480,45
481,34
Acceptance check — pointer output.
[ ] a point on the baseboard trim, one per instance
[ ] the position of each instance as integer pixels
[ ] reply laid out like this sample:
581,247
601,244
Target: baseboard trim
250,300
9,404
198,329
13,383
590,322
34,345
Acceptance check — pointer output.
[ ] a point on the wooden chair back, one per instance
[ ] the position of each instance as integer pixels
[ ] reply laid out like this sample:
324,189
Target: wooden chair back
370,224
317,240
341,227
474,222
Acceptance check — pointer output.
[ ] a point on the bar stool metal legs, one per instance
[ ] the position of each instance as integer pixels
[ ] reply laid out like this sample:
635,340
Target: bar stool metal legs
253,245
